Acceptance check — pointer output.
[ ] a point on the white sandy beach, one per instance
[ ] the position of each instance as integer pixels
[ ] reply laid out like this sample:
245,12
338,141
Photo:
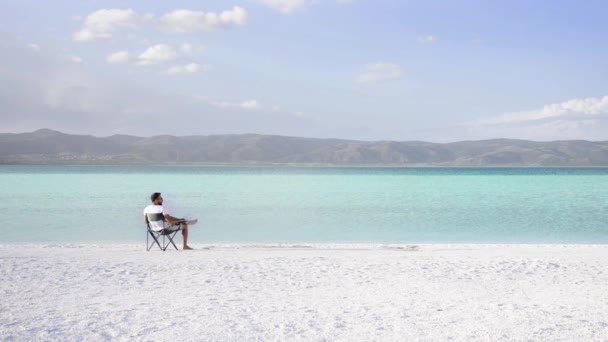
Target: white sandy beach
353,293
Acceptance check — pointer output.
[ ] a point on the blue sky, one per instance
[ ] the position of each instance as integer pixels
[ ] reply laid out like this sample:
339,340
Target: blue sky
373,70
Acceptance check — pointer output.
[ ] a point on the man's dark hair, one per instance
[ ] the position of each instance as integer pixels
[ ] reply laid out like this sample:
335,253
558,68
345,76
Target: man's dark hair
154,196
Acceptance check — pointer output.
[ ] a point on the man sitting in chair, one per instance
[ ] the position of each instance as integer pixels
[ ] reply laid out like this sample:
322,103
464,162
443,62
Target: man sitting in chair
173,223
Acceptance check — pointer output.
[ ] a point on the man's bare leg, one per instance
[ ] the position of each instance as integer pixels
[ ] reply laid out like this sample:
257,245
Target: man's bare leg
185,236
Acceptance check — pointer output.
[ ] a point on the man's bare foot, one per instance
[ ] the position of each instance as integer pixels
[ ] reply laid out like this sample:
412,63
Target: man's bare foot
187,248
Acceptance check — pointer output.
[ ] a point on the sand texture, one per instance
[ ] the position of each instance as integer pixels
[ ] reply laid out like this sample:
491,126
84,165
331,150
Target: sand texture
305,293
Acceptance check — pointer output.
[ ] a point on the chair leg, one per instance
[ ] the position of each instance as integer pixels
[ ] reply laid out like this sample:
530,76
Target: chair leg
171,237
155,240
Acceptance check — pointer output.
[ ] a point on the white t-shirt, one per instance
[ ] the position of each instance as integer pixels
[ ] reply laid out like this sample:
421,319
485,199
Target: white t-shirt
155,209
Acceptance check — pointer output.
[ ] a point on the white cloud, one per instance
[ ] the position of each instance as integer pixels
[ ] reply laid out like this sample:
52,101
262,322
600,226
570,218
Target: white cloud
118,57
34,47
189,49
156,54
102,23
186,69
581,118
427,39
290,6
183,20
286,6
185,48
74,59
148,17
249,104
379,72
577,108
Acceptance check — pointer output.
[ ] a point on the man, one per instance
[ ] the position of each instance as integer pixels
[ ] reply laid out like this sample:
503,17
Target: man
174,223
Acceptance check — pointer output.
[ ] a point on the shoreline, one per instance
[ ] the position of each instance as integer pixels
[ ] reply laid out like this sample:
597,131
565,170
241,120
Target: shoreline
414,247
314,166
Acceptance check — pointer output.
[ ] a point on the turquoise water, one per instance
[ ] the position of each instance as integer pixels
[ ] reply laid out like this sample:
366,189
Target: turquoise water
59,204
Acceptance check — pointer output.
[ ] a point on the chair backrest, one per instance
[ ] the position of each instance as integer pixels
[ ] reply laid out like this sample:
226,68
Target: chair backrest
156,222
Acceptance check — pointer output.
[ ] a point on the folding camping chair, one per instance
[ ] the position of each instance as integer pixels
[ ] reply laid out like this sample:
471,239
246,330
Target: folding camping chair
158,228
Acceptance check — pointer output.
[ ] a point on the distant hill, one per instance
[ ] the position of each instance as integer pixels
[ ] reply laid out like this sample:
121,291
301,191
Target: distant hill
51,147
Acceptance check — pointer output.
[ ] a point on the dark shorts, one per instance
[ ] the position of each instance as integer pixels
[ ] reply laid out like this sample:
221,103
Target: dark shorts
169,229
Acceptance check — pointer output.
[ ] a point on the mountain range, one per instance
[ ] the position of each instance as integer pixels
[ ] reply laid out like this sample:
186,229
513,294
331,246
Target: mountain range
47,146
